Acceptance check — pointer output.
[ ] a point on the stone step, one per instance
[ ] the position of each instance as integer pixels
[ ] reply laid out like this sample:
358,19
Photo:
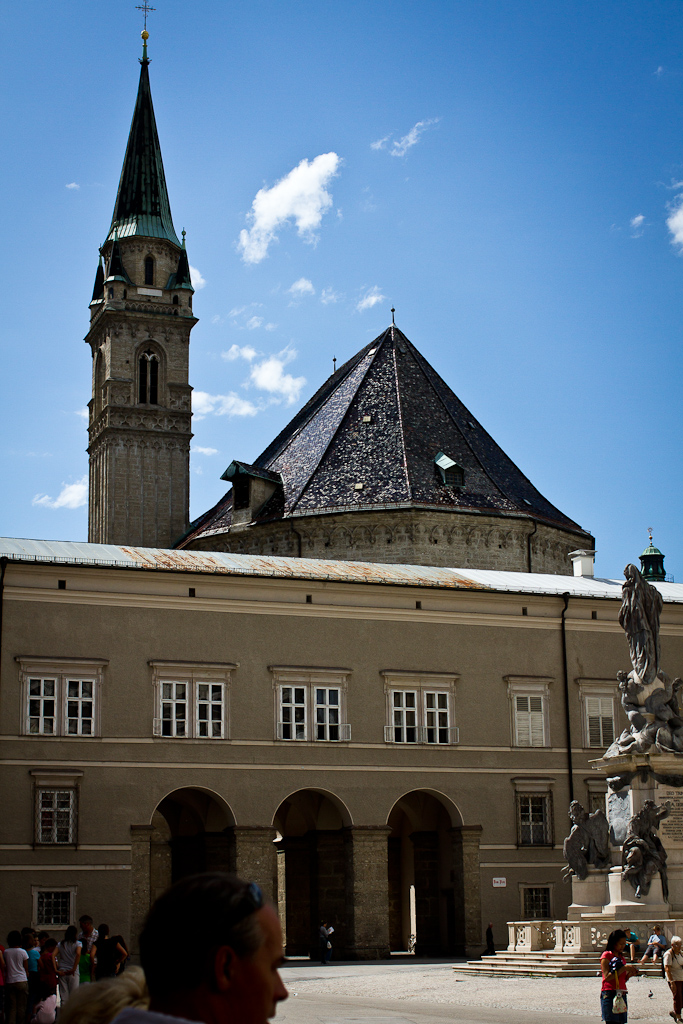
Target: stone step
545,964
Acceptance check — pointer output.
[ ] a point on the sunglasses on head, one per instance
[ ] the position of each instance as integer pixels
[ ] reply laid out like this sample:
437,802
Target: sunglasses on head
246,902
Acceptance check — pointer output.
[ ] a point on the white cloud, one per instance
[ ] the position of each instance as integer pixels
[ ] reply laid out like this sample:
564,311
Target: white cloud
301,287
328,295
399,147
269,375
380,143
197,279
300,196
253,322
270,327
73,185
371,298
240,352
660,71
674,221
204,451
204,404
83,413
637,225
70,496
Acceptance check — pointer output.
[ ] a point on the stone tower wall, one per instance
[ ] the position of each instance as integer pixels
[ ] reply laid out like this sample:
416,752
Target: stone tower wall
413,537
140,452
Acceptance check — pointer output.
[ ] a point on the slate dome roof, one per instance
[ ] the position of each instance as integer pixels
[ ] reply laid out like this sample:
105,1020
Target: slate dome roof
381,420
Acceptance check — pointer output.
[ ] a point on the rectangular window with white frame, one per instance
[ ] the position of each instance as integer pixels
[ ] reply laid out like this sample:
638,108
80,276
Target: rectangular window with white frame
529,710
191,699
53,908
536,902
598,700
310,704
534,819
61,696
56,806
420,708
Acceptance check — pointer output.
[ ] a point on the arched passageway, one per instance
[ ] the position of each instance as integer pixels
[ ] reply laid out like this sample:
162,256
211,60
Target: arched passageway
426,876
197,826
314,851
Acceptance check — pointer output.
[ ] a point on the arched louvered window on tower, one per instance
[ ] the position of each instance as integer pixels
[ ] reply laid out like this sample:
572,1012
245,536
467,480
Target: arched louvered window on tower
148,378
149,270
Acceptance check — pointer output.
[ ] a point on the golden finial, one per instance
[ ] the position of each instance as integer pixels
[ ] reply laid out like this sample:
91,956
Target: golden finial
144,34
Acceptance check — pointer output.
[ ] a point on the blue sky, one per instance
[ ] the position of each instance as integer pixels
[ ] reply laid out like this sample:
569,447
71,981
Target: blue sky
507,174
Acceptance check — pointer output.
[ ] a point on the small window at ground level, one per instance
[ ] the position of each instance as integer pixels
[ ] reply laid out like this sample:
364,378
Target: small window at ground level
53,908
536,901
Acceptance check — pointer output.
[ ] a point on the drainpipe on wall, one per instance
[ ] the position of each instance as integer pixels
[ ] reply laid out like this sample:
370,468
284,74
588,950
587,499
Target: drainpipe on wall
3,566
528,546
570,765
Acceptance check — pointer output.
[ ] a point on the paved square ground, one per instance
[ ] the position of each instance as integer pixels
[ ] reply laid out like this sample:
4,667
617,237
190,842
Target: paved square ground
429,992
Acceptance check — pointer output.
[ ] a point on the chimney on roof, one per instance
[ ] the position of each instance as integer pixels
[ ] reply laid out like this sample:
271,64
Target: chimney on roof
583,562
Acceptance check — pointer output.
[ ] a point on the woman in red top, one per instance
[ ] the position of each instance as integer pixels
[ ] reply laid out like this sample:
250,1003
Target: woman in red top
615,974
47,969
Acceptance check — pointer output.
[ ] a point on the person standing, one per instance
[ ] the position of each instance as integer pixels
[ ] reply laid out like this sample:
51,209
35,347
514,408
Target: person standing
673,966
87,936
325,942
615,974
68,958
32,947
490,945
47,968
16,979
106,955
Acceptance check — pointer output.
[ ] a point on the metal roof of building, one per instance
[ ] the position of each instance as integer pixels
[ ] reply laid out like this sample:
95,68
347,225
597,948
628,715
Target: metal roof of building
79,553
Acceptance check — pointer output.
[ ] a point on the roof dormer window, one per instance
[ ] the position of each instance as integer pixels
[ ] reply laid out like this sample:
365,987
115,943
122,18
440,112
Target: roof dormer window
452,475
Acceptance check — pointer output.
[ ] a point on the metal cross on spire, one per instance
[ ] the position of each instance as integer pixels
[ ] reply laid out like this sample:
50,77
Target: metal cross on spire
145,8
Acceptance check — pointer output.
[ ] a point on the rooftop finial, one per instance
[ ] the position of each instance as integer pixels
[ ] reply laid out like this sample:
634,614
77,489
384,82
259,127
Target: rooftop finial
334,364
649,530
183,233
392,315
145,8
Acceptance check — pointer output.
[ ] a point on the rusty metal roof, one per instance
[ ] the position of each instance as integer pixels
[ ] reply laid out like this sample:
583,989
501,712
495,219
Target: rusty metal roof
79,553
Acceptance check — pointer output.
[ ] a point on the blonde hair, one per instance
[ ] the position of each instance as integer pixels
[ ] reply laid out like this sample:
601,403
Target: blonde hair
101,1001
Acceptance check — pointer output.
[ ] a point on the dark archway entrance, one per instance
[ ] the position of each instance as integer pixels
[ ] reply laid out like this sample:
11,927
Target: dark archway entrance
314,853
196,827
426,910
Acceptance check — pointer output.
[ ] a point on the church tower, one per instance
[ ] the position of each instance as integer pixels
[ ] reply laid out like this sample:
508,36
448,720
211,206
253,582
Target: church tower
141,318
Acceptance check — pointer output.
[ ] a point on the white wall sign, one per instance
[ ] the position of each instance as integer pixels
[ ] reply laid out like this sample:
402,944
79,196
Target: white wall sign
500,883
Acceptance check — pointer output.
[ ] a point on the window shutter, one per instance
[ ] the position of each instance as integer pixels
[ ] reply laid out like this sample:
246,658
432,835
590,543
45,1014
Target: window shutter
522,731
536,721
600,720
156,727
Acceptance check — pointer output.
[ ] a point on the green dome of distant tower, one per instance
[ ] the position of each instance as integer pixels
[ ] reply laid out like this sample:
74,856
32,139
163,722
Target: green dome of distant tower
652,562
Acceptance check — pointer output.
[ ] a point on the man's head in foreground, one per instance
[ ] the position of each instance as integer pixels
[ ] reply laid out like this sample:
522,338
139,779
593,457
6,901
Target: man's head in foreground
231,951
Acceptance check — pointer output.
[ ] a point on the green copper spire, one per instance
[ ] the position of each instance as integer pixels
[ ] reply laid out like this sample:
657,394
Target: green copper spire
652,562
142,206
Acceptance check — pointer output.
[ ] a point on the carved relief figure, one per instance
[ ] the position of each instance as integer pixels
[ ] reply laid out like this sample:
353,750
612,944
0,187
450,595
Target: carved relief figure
648,696
643,854
588,841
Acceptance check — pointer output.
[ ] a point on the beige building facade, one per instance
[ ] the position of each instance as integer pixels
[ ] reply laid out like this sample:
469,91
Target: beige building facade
386,747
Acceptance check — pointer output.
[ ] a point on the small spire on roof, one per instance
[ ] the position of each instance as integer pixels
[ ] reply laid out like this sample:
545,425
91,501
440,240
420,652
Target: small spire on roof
649,530
145,8
334,364
392,315
183,232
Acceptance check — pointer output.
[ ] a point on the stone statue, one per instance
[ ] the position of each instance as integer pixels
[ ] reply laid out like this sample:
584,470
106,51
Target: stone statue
587,842
648,696
642,853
